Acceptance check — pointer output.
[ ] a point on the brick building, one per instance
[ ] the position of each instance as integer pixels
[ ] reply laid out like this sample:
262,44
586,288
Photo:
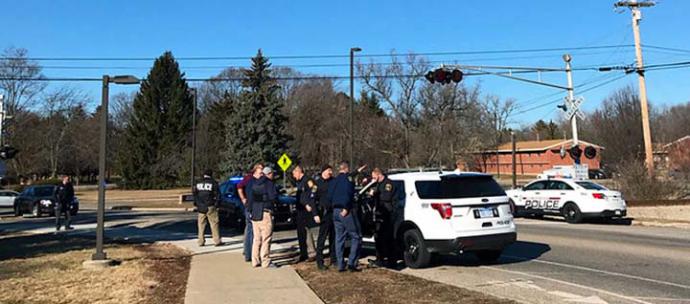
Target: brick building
673,158
533,157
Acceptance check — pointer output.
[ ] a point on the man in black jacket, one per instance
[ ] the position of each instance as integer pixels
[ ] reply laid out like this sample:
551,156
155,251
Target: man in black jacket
326,230
65,196
206,200
307,215
262,195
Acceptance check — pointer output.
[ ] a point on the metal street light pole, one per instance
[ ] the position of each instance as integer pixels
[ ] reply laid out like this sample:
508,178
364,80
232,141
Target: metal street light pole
100,214
352,103
193,171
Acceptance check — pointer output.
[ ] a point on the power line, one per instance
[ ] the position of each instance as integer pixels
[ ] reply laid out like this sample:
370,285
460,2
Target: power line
210,58
561,99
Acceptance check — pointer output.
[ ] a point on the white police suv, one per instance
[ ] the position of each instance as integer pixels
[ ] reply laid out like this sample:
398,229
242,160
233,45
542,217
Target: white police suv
572,199
447,213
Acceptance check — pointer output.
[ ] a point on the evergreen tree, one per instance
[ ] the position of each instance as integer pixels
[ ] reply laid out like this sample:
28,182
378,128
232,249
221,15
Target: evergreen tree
160,126
255,128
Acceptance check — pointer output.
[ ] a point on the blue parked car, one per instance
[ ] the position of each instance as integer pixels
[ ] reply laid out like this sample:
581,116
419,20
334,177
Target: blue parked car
231,209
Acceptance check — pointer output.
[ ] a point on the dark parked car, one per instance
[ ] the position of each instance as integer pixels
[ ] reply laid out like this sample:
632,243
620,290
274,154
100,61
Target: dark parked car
598,174
231,209
40,200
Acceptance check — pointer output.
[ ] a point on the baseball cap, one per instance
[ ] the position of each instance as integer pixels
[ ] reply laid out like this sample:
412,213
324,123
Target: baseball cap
267,170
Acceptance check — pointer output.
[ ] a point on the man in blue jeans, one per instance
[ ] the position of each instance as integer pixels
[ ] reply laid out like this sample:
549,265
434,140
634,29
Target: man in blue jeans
248,229
341,192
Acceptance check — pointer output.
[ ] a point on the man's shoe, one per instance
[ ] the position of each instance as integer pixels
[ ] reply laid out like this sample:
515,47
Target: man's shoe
375,263
201,245
322,267
342,270
353,269
272,266
220,244
69,228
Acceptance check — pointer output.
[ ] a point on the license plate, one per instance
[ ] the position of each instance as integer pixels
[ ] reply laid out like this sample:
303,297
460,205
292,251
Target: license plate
486,212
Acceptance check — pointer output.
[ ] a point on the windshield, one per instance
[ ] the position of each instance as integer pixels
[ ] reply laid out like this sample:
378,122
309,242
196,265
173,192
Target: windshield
465,187
591,186
43,191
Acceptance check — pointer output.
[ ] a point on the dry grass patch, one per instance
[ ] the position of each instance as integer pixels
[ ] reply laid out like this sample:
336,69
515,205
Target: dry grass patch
147,274
385,286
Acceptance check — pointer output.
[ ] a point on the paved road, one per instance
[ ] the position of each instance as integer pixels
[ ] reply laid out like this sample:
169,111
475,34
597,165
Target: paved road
555,262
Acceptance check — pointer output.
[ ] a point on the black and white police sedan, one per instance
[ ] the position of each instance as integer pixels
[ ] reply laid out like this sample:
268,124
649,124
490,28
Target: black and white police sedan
572,199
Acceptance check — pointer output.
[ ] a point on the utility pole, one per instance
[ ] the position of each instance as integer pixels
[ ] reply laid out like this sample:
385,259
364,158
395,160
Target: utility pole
2,118
635,6
498,143
512,141
573,120
569,72
193,169
352,103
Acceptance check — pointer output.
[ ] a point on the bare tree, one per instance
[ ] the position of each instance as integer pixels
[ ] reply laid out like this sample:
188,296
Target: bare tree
57,111
15,68
397,85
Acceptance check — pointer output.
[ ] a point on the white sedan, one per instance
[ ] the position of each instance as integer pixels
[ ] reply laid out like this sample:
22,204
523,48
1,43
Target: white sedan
572,199
7,198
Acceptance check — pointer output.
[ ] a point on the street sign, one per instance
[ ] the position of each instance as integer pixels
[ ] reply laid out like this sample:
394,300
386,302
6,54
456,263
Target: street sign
284,162
574,108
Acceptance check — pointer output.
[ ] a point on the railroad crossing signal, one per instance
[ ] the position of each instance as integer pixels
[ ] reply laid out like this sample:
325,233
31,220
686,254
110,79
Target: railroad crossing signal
444,76
572,108
284,162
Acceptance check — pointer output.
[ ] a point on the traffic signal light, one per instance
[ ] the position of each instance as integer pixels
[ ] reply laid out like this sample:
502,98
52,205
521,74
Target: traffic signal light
444,76
8,152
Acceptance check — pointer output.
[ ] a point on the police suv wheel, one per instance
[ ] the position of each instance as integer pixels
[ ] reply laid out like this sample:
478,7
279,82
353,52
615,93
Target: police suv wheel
572,213
488,256
415,254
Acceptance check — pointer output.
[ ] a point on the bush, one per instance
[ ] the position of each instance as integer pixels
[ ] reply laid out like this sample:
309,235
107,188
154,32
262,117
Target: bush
633,181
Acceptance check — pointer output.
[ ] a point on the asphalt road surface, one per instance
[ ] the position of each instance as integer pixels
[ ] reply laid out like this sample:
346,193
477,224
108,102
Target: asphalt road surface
552,262
556,262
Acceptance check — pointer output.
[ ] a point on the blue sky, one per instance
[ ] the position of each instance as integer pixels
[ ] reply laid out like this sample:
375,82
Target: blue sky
238,28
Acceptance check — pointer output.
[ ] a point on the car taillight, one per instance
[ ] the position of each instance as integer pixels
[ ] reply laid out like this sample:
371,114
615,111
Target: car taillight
444,209
599,195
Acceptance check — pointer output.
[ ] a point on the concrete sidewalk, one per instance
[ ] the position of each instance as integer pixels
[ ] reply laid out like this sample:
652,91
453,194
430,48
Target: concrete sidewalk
225,277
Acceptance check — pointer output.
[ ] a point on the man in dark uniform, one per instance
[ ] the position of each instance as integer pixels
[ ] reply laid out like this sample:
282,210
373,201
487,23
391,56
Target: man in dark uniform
341,193
389,212
206,200
307,215
65,196
325,209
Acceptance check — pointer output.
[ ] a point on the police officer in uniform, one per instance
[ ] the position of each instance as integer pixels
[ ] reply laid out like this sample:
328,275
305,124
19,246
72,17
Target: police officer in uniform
325,209
206,200
307,214
389,213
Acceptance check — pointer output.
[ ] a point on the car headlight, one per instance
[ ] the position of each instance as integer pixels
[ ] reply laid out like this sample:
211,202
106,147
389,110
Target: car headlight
46,202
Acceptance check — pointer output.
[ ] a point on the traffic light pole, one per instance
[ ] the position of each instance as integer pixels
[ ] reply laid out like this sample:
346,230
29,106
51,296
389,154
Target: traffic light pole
2,118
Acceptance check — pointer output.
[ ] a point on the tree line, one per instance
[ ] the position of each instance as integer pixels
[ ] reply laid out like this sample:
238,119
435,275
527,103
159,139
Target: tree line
400,121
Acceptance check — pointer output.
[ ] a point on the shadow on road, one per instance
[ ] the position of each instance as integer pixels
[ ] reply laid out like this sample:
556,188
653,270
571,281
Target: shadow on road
601,221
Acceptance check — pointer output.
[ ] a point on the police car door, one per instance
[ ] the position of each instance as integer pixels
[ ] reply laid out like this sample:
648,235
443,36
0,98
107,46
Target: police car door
555,195
533,195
